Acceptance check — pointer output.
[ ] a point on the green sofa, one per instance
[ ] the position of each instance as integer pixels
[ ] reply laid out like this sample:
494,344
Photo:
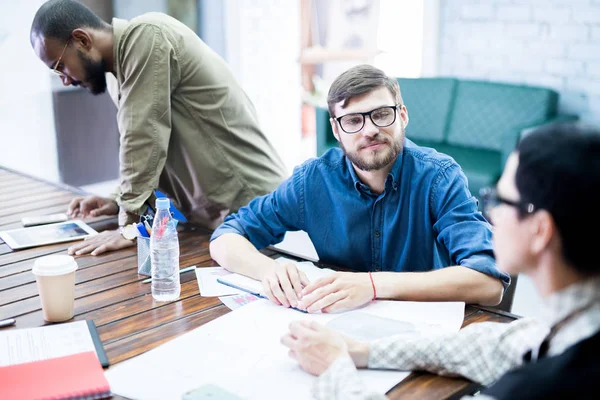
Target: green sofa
478,123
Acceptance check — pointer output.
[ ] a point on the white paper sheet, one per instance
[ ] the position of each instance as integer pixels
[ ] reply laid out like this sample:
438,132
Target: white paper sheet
236,301
208,285
241,352
255,286
298,244
243,282
33,344
311,270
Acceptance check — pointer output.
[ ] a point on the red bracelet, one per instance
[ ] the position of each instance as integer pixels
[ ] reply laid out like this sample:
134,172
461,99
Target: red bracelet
373,284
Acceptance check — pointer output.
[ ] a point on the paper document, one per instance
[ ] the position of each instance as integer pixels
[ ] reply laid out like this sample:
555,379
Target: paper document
311,270
255,287
238,300
34,344
208,285
298,244
242,282
241,351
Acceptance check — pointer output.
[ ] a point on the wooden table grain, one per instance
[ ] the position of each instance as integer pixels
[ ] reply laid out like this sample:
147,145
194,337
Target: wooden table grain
110,292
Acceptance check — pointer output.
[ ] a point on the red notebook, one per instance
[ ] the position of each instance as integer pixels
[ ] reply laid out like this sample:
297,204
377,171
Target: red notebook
78,376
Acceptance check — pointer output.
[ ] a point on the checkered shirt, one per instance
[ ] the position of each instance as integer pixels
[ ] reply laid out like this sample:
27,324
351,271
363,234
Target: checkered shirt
481,352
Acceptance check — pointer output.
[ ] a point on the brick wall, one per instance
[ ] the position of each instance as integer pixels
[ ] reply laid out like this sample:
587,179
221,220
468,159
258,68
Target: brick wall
550,43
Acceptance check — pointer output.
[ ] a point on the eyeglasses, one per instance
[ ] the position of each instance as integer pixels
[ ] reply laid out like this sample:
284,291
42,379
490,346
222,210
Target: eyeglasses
381,117
55,69
491,200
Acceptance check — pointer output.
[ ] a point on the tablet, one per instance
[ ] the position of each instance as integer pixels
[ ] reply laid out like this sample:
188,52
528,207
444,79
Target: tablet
46,234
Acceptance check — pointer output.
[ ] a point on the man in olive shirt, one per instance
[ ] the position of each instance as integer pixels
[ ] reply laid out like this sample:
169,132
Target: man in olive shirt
187,128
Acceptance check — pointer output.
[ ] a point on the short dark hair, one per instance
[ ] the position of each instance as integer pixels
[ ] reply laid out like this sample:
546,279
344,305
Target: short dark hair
559,171
357,81
58,18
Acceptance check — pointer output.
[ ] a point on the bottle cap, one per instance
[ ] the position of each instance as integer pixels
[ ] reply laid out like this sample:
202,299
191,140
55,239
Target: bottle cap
163,203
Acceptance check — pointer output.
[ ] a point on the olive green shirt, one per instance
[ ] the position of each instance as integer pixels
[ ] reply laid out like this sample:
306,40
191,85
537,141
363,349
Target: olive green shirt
186,126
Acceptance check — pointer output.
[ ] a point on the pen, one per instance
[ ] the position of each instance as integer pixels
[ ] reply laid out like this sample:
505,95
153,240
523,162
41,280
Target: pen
7,322
148,228
181,271
142,230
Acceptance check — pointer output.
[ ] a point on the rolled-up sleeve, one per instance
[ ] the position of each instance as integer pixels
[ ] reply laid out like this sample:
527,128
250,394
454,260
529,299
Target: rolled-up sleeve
266,219
460,227
149,74
481,352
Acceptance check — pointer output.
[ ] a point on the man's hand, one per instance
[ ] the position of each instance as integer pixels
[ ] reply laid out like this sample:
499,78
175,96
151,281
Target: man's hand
314,346
101,243
94,206
342,290
283,284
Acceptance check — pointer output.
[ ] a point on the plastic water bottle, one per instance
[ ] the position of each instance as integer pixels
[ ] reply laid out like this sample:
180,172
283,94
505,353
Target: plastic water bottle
164,254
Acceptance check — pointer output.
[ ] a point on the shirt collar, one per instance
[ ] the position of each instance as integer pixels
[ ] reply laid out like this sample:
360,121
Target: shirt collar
569,300
393,175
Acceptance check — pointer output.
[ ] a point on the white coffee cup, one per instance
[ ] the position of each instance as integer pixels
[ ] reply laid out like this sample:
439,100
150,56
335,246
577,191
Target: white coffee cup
55,276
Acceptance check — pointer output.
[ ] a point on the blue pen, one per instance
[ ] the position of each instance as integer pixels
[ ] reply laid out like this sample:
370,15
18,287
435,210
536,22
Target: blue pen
142,230
253,293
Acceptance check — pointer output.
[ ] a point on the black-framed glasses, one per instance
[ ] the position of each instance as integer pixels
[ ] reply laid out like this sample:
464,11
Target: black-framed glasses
381,117
55,69
491,199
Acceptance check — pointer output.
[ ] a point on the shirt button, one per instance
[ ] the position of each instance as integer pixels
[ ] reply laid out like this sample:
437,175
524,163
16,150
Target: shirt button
395,185
377,234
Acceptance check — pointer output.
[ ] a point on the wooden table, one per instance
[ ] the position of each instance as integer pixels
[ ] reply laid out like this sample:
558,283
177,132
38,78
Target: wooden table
109,291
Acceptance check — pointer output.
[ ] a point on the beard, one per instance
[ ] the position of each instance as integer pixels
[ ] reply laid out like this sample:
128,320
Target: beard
379,157
95,78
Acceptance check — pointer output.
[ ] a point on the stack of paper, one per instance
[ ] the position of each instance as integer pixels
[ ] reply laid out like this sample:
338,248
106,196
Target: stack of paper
236,290
241,351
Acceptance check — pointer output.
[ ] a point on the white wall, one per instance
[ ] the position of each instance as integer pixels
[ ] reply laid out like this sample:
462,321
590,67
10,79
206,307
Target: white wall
400,38
262,46
551,43
27,133
128,9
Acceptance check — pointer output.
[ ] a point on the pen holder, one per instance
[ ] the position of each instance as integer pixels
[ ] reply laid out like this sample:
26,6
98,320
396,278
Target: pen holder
143,256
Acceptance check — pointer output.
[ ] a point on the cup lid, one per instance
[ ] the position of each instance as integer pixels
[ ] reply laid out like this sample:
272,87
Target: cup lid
53,265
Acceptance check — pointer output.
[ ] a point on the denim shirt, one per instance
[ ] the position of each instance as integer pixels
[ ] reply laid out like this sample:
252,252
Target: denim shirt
425,219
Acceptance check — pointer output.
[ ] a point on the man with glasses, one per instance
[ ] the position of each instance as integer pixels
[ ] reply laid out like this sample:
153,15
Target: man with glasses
187,128
538,212
399,215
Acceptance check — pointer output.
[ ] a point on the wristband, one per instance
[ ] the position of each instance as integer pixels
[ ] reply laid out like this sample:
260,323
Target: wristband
373,284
